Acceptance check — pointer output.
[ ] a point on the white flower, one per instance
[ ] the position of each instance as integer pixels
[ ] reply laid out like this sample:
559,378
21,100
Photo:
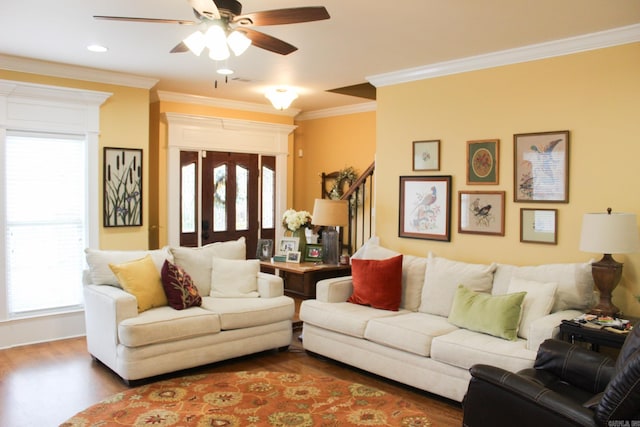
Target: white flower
294,220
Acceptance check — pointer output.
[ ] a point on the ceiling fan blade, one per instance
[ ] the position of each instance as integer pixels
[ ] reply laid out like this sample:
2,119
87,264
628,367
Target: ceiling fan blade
283,16
206,8
267,42
152,20
180,48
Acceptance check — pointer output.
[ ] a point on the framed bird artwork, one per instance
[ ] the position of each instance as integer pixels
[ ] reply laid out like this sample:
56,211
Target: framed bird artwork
541,166
481,212
425,207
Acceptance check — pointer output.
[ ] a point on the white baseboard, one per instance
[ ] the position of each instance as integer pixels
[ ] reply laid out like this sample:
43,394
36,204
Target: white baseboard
32,330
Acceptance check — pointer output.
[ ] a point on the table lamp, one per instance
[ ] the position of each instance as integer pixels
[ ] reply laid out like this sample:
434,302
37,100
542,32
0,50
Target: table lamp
330,213
608,233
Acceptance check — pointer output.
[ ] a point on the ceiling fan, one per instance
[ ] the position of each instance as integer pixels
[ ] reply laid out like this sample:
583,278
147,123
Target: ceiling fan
227,16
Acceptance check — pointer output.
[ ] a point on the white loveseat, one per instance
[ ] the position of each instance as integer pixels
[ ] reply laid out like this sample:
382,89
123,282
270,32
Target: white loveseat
159,340
417,345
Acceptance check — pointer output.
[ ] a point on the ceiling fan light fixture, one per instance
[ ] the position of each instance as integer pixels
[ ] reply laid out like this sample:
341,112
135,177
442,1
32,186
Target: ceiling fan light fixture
196,42
216,41
281,97
225,71
238,42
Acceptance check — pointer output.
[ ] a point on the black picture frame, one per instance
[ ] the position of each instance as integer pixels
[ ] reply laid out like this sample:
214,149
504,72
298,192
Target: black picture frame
264,250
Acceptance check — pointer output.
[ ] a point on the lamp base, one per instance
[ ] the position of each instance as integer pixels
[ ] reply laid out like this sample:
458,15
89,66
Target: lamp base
606,275
330,246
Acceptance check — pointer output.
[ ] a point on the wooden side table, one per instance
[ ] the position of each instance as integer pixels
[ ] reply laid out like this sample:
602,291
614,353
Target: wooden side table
572,331
300,279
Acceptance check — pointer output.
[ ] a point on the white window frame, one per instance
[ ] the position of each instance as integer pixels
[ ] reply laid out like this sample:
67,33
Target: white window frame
28,107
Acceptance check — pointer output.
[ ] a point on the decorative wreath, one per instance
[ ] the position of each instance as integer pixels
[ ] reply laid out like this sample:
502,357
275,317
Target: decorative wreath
348,176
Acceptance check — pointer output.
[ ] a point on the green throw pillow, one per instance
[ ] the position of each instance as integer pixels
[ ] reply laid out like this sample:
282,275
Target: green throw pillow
497,315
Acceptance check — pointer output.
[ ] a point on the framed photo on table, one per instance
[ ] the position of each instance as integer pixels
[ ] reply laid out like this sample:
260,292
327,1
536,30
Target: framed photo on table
288,244
539,226
426,155
482,161
313,253
293,256
264,251
541,167
425,207
481,212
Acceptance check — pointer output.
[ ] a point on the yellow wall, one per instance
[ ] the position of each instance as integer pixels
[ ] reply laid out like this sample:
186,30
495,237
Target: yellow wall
124,122
595,95
328,145
158,151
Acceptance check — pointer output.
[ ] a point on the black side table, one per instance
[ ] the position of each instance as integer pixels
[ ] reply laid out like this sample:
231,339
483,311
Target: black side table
574,331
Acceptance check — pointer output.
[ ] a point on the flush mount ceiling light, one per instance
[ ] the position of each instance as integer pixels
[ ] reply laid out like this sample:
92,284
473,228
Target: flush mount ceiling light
96,48
281,97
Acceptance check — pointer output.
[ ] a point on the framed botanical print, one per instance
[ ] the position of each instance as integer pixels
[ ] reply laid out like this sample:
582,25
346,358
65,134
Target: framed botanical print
425,207
481,212
426,155
122,187
482,161
541,166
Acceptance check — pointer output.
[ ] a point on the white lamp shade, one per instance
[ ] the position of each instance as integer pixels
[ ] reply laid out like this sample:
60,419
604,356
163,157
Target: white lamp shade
281,98
196,42
238,42
615,233
328,212
217,43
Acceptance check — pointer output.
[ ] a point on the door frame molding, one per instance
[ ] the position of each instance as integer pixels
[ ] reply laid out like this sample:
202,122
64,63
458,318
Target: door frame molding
206,133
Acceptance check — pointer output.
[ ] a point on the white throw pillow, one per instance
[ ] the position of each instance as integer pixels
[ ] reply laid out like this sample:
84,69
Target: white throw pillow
442,278
372,250
197,261
232,278
413,271
537,302
575,282
99,260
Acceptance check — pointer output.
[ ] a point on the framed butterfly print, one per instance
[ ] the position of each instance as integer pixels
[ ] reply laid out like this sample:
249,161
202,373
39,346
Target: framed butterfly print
541,167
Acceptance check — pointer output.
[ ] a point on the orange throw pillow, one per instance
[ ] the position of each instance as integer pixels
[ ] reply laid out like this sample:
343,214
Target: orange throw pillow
377,283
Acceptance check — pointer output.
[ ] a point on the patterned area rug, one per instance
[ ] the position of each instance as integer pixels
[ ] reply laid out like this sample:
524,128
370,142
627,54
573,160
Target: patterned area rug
252,399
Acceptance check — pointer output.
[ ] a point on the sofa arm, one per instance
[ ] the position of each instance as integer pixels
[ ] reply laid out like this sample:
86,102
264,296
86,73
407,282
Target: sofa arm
575,365
338,289
104,308
270,285
499,397
548,327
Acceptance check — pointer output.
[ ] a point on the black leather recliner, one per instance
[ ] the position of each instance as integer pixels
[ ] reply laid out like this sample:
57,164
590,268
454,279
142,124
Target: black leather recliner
568,386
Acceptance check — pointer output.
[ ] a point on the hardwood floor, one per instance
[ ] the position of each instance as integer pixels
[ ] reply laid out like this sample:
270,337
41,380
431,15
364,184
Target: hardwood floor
45,384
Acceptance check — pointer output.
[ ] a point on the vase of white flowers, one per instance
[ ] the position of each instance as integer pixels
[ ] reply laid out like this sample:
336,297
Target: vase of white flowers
295,223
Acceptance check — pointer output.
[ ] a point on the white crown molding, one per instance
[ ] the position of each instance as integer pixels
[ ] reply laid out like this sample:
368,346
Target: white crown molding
364,107
599,40
184,98
54,69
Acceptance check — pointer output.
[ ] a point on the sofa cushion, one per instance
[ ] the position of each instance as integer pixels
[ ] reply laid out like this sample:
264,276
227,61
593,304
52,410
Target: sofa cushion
342,317
413,270
165,324
178,287
99,260
412,332
497,315
141,279
234,278
537,302
442,278
575,282
238,313
463,348
377,283
371,249
197,261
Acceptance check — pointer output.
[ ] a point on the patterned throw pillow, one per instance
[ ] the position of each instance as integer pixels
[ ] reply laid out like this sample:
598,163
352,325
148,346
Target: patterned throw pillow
179,288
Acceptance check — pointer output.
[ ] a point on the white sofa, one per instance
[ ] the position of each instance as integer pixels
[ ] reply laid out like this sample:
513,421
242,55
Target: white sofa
417,345
159,340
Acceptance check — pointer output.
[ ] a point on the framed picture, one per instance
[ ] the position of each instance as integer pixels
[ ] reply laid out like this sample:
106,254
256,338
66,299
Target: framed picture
539,226
481,212
288,244
264,251
313,253
541,166
122,182
293,256
482,161
425,207
426,155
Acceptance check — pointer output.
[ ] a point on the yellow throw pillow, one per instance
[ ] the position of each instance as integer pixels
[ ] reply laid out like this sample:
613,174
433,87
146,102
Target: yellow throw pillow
141,279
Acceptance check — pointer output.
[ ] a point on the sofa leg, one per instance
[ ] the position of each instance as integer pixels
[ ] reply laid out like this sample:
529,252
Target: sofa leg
284,348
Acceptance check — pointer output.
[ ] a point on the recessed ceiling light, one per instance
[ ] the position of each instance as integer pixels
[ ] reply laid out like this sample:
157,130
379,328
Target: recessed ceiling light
97,48
224,71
